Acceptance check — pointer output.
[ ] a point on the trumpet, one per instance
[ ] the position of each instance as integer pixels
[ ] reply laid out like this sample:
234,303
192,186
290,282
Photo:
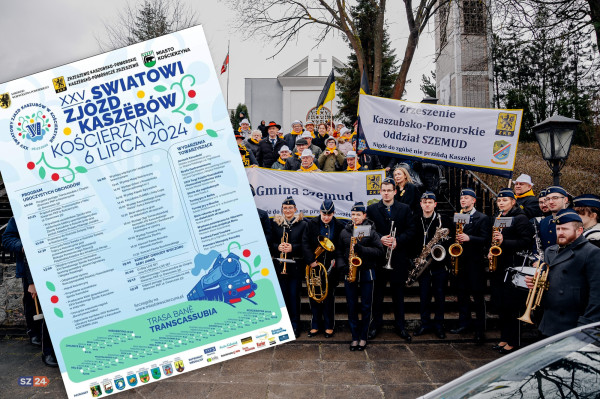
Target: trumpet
388,255
456,249
495,249
315,275
283,255
354,261
534,298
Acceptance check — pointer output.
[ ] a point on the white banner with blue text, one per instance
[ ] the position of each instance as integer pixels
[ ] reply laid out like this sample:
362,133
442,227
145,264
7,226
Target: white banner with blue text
470,138
310,189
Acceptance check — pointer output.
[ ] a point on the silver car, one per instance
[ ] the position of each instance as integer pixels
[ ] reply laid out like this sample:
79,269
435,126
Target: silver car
566,365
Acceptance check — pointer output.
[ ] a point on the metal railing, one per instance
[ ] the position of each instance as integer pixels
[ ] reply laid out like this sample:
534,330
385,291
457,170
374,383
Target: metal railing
461,178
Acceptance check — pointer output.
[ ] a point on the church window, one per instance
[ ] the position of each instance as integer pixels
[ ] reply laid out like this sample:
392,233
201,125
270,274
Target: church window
323,117
474,17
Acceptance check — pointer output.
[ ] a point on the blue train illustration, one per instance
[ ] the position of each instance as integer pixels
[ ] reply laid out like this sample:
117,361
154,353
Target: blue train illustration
225,282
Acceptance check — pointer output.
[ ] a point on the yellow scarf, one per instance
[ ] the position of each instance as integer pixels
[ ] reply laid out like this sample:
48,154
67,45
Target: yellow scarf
294,133
254,141
281,161
356,168
312,167
527,194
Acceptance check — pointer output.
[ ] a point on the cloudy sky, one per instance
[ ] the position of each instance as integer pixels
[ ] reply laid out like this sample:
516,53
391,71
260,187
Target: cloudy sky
40,35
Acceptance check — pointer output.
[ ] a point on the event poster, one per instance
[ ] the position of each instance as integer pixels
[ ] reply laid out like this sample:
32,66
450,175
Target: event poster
479,139
136,216
310,189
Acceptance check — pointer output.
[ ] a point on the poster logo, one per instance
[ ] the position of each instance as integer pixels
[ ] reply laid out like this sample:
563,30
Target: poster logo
120,383
501,152
373,184
33,126
96,391
167,369
179,365
506,124
132,380
108,388
155,373
246,340
5,100
144,376
59,84
149,58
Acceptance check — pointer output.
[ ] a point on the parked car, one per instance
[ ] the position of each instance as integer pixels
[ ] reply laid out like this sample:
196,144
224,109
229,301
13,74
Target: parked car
566,365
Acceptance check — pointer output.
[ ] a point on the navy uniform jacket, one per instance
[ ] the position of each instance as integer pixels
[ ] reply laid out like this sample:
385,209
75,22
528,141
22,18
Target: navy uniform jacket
368,249
405,232
573,296
431,225
470,263
530,205
310,242
295,229
517,237
547,232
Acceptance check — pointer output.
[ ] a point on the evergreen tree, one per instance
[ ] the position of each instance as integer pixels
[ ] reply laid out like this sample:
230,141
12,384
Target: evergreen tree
236,116
428,85
348,79
544,76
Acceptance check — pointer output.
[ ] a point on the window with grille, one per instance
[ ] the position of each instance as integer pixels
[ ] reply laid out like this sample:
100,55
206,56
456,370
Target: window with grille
323,117
474,17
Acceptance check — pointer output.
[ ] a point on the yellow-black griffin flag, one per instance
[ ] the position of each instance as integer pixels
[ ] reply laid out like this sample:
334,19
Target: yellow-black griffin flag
328,92
364,83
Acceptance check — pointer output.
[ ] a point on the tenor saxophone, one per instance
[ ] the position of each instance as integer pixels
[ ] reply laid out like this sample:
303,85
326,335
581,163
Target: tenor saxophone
423,261
353,260
456,250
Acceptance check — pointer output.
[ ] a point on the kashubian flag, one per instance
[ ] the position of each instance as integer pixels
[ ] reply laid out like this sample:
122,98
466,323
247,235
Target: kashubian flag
328,92
364,83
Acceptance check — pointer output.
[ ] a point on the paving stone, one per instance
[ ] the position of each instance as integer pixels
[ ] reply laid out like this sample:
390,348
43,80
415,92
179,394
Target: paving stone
399,372
443,371
291,366
210,373
359,373
236,390
473,351
408,391
434,351
294,377
244,365
389,352
295,391
353,391
297,352
341,352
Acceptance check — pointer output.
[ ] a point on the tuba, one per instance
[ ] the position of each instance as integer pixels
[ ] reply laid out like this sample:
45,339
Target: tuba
534,298
495,249
316,275
354,261
456,249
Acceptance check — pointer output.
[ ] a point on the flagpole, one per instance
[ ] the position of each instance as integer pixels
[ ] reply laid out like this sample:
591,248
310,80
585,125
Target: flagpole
228,70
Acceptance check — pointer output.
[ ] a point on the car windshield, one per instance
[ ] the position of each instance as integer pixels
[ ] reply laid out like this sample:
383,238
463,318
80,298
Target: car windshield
568,368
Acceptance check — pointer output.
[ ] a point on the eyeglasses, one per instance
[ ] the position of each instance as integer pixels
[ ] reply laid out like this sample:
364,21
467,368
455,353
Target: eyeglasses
554,198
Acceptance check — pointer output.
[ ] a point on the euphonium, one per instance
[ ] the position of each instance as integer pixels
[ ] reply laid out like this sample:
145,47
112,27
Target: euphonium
534,298
316,275
456,249
495,249
354,261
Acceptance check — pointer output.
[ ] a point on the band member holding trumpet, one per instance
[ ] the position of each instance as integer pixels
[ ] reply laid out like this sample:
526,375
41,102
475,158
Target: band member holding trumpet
322,232
287,231
506,242
573,296
359,249
395,265
434,279
470,280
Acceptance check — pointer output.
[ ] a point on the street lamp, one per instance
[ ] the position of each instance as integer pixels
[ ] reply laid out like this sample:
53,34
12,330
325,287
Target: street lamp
555,135
429,100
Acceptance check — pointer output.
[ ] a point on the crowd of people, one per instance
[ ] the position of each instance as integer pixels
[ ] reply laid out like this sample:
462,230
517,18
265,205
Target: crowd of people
551,227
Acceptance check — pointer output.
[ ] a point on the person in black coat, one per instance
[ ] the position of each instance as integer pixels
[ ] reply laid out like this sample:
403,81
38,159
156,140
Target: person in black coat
269,146
406,191
573,296
38,332
369,250
525,197
434,279
470,280
289,274
324,225
512,239
382,214
263,129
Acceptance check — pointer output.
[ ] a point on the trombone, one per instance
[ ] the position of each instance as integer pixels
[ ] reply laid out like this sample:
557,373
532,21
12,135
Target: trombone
534,298
316,275
283,255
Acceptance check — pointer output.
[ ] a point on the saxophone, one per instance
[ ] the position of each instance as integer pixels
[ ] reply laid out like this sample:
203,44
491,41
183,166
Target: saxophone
456,250
354,261
423,261
495,249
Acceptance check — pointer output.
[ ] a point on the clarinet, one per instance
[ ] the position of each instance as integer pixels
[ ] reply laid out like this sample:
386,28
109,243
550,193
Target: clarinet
538,244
